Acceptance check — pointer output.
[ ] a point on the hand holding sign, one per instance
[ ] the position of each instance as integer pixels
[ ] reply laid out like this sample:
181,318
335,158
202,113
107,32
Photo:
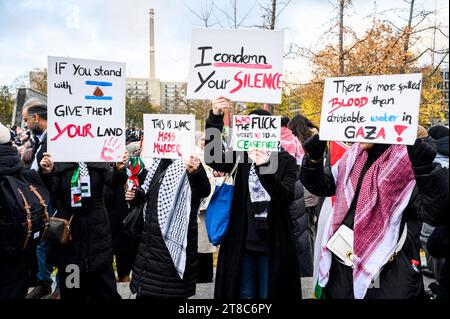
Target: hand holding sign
259,157
192,164
46,164
220,105
121,165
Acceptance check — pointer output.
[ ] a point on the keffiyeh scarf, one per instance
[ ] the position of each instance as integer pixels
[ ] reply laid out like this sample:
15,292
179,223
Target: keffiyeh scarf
80,184
385,191
259,197
174,205
291,144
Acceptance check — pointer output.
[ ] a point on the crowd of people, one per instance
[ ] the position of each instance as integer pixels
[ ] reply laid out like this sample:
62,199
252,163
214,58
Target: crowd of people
148,219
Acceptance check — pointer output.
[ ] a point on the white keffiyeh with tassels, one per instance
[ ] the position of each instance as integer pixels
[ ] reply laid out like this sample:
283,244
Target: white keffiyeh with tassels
174,206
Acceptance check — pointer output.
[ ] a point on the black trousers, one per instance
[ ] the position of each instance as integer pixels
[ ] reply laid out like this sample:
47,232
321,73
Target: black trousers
205,268
98,284
14,290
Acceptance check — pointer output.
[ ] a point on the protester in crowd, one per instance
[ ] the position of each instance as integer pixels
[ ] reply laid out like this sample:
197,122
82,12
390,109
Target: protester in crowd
205,272
301,219
437,258
125,245
290,142
378,189
78,191
303,129
258,257
14,260
34,115
166,264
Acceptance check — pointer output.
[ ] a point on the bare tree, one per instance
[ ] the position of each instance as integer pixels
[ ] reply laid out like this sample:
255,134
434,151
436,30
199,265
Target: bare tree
205,13
271,12
417,24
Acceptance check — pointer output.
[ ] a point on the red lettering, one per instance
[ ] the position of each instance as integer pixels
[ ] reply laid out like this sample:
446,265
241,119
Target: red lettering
337,104
73,131
381,133
268,80
237,79
360,132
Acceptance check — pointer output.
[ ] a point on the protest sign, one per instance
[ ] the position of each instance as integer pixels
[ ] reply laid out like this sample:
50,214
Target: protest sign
373,109
256,132
169,135
86,110
244,65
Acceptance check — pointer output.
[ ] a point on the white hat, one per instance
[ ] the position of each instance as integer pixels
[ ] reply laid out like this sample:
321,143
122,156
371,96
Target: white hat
5,134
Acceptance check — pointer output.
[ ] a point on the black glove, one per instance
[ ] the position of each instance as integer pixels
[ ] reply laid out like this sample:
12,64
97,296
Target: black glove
314,147
421,154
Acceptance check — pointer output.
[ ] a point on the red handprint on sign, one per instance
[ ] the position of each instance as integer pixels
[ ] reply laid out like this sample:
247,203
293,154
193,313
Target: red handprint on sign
109,149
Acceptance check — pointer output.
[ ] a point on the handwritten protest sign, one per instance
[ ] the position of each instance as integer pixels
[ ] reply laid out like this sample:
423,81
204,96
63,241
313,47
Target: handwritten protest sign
256,132
169,136
373,109
245,65
86,110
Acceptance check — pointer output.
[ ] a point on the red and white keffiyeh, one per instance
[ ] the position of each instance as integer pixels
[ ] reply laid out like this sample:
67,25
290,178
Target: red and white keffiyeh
385,191
291,144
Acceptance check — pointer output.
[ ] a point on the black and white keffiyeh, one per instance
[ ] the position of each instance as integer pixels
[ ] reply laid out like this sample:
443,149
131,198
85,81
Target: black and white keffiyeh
259,197
174,205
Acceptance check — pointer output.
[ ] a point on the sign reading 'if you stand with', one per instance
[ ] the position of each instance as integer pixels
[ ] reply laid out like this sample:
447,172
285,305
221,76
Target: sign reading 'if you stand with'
86,110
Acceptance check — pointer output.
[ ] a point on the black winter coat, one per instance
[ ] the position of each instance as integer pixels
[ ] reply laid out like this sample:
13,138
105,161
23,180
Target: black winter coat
91,246
154,274
13,269
284,276
301,220
398,279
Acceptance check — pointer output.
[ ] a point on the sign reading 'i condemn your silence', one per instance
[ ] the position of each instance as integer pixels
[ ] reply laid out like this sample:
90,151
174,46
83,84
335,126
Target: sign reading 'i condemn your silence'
245,65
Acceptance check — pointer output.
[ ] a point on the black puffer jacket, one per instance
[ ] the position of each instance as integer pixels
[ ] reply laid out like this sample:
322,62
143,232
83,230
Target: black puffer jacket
398,280
302,232
154,274
91,246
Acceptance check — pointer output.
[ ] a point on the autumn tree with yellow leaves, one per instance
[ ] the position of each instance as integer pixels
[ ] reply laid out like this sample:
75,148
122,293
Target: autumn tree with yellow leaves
383,49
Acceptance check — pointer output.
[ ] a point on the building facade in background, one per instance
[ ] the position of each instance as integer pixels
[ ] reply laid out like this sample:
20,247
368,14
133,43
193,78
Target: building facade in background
173,96
444,86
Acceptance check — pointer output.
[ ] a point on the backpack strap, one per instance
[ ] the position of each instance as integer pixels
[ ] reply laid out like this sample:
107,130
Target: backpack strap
28,212
34,190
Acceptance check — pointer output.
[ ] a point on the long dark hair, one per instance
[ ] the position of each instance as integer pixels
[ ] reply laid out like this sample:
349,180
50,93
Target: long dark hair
301,127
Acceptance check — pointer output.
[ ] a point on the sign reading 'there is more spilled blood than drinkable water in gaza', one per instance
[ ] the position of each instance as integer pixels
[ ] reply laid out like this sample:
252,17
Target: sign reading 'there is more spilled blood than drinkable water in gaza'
244,65
86,110
380,109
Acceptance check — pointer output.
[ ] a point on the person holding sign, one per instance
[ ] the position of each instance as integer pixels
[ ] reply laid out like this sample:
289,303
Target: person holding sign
366,244
258,256
78,191
166,263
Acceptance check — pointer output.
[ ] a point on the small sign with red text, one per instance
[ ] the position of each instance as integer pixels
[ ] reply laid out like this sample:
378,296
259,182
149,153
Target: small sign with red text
382,109
169,136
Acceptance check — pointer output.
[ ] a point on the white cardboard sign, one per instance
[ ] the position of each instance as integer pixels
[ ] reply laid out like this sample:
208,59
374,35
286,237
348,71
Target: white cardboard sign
256,132
86,110
244,65
169,135
380,109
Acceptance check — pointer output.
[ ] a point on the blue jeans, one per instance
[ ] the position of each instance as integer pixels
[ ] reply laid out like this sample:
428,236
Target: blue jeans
44,270
254,275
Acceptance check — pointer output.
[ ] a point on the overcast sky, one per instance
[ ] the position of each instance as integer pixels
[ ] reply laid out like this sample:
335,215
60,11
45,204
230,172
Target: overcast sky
117,30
